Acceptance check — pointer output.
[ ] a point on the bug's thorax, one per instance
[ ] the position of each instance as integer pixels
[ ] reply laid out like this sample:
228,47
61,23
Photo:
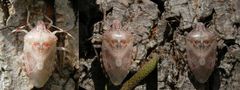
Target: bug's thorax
118,41
200,33
40,39
200,38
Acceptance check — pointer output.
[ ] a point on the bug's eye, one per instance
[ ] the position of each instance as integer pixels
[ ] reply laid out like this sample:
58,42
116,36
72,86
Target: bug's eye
35,44
196,41
123,42
112,42
206,42
193,42
46,44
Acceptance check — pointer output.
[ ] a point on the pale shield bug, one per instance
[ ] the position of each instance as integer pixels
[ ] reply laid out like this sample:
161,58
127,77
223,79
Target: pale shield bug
39,52
117,47
201,46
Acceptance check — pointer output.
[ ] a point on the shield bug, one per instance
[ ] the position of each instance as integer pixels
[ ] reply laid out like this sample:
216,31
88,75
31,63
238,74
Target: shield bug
39,52
201,52
117,46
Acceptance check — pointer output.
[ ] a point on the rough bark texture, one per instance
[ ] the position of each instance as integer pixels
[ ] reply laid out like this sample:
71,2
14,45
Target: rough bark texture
157,25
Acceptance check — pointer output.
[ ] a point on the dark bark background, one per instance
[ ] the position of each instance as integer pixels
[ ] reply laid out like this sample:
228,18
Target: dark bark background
156,25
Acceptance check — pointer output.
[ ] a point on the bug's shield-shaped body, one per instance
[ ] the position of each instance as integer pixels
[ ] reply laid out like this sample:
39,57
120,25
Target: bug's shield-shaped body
201,48
39,54
117,48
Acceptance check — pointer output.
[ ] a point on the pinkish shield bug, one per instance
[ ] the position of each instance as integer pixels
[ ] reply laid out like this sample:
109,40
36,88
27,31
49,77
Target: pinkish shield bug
117,46
39,52
201,52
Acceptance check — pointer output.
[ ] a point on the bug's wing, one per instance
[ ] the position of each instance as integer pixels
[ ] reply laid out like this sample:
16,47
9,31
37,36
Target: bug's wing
39,54
201,72
115,72
29,63
38,77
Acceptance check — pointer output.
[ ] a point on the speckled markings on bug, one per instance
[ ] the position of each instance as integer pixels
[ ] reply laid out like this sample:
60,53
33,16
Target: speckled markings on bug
201,52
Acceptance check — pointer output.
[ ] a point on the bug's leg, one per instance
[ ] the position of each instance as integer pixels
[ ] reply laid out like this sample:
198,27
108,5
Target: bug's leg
25,31
60,62
63,49
93,40
96,39
61,31
96,52
67,58
20,30
28,15
51,22
22,65
66,50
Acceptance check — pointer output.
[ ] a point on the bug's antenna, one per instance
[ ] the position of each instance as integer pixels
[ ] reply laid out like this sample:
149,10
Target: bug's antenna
51,22
28,15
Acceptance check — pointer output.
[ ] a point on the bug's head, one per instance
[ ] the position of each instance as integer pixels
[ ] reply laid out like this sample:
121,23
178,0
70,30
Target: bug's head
40,26
116,25
200,37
